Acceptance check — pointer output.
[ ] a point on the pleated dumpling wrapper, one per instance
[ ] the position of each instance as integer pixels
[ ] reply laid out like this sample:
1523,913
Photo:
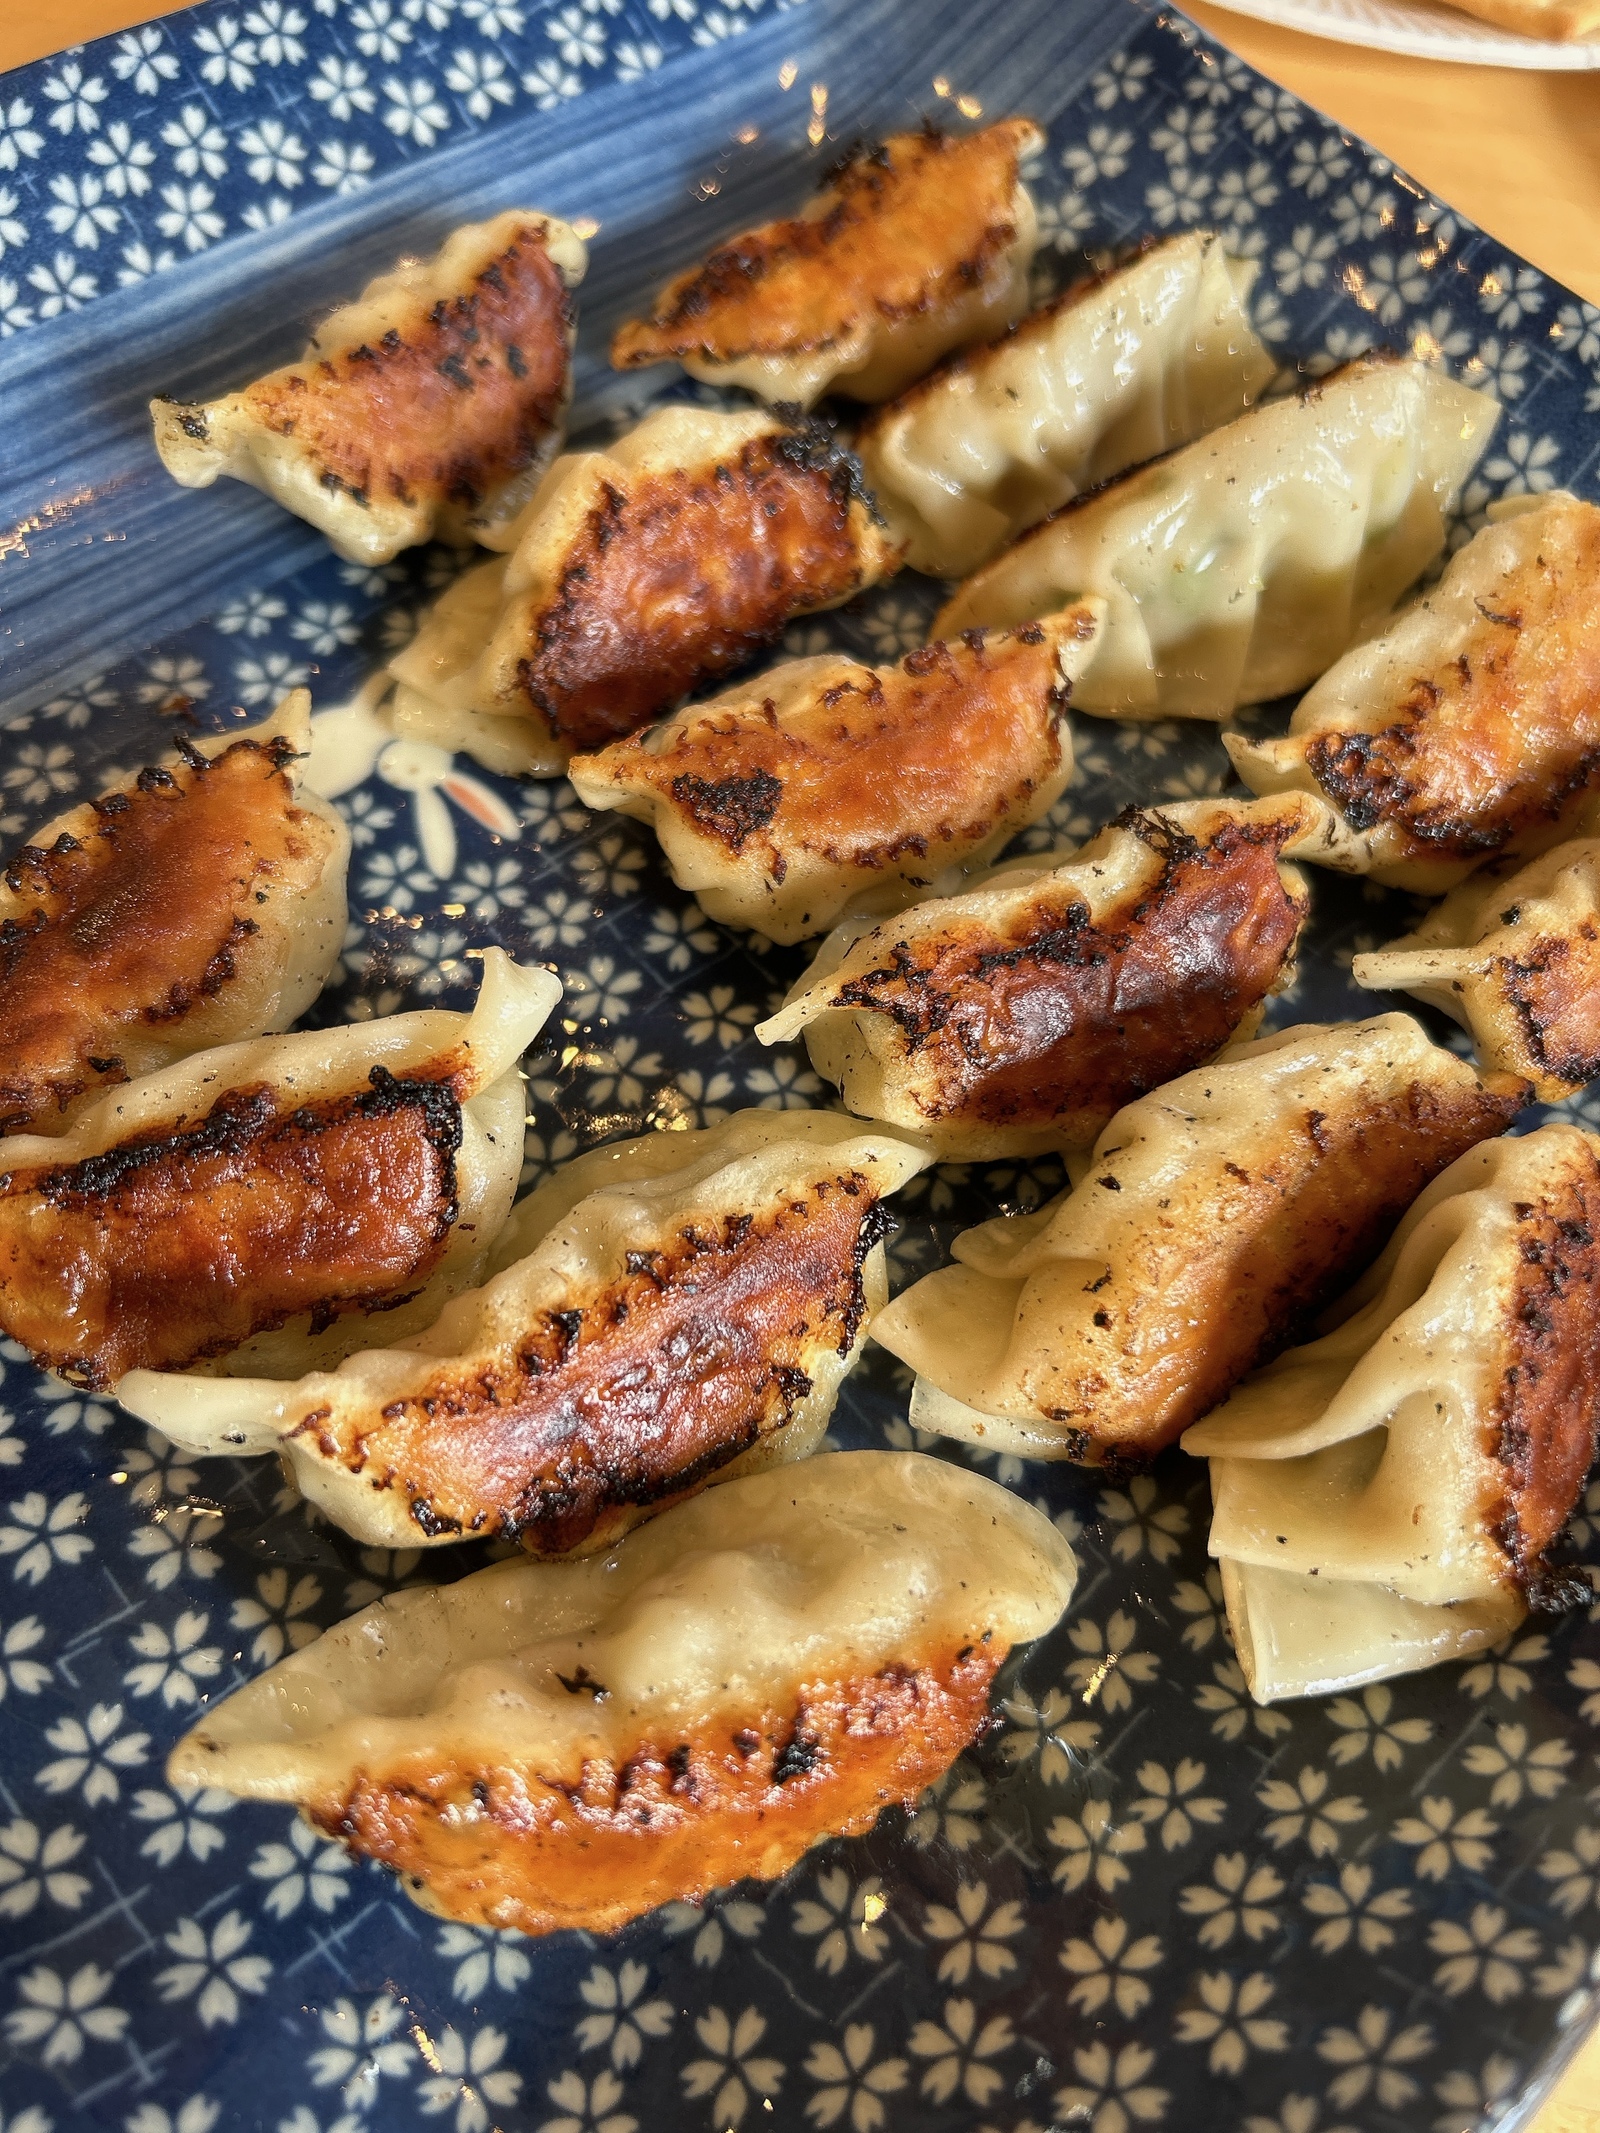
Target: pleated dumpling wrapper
1113,372
430,405
571,1744
824,785
200,901
913,247
1016,1015
635,576
1385,1496
249,1206
664,1312
1514,955
1217,1216
1240,567
1469,727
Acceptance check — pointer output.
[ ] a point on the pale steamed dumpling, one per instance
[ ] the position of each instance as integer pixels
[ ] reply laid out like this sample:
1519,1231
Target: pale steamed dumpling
1115,371
1240,567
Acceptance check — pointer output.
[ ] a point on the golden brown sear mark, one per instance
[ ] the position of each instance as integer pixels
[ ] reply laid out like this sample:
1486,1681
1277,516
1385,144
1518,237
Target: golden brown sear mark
462,400
1553,987
1499,739
502,1844
916,222
135,925
935,751
1059,1012
691,573
1548,1408
1283,1240
634,1393
170,1247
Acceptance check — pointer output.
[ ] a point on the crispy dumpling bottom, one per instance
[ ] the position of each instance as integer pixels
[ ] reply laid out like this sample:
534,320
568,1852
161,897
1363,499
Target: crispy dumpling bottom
498,1845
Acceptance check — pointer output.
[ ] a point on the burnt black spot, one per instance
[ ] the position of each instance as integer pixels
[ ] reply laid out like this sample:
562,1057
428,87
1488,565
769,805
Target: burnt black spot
730,809
580,1682
798,1757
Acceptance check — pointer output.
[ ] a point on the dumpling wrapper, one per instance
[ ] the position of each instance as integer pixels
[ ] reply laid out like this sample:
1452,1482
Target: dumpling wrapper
824,785
1240,567
1113,372
429,406
1514,955
249,1206
663,1313
914,247
1016,1015
1416,1463
1469,727
637,575
570,1744
1216,1217
201,901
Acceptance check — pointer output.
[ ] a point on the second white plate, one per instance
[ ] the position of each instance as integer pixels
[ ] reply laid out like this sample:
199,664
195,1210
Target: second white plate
1423,30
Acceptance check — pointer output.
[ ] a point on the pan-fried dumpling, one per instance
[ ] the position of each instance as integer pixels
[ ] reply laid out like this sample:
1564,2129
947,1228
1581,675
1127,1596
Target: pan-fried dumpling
1016,1016
671,1311
1114,372
570,1744
254,1201
201,901
1385,1496
639,574
1240,567
1470,727
429,405
824,783
1216,1217
1514,955
913,247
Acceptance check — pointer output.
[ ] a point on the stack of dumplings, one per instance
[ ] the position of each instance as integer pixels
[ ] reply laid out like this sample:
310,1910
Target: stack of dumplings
1313,1256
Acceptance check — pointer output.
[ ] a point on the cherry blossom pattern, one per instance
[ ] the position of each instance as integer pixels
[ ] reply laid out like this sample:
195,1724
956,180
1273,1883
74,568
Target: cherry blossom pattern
621,2018
1372,2056
1227,2017
851,2084
972,1933
843,1919
213,1969
731,2071
365,2046
1110,1968
1239,1898
959,2051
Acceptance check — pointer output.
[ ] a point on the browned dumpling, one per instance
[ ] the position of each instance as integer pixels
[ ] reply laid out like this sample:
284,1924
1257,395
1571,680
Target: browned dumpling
663,1313
255,1201
545,1745
914,247
201,901
1018,1014
1215,1217
824,782
1514,955
1470,726
429,405
637,575
1386,1495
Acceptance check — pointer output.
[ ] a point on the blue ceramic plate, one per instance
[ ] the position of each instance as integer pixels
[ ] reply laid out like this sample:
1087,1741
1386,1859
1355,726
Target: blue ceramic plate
1143,1902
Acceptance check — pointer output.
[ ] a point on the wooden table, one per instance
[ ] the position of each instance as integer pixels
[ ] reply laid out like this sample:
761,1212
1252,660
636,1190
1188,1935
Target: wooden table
1518,152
